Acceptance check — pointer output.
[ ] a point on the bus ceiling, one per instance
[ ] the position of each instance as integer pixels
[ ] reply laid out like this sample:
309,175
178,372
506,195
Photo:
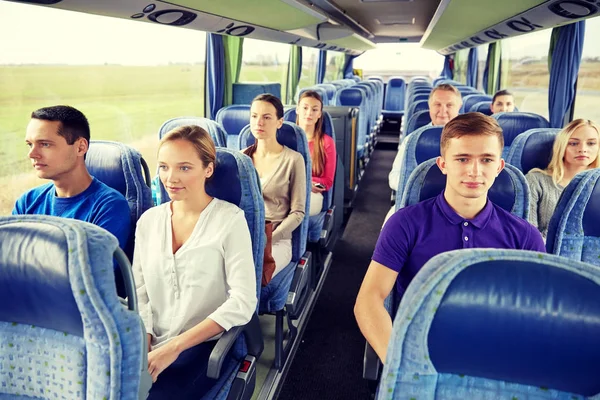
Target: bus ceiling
349,26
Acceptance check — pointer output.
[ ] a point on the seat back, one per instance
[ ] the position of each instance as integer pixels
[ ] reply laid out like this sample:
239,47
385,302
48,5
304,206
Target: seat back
354,97
319,89
574,230
515,123
472,99
422,145
235,180
417,120
216,131
419,97
63,331
233,119
331,92
394,95
532,149
122,168
416,106
292,136
489,323
483,107
509,190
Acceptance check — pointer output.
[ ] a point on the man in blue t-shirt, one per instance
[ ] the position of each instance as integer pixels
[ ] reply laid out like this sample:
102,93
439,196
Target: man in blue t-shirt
461,217
58,138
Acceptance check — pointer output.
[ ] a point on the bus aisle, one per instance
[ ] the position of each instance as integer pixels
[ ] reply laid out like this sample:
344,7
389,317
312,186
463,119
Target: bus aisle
328,363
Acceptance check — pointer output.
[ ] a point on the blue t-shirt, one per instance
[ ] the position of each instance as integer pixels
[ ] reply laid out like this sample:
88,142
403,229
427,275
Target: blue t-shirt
416,233
99,204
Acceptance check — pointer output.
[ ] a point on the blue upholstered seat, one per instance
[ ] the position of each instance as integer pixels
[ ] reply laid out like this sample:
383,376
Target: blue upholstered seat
496,324
574,230
532,149
233,119
483,107
64,333
472,99
235,180
394,96
354,97
216,131
417,120
515,123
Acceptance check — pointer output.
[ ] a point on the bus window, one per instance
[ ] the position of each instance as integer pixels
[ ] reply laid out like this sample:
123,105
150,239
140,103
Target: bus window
335,66
127,77
407,60
588,83
310,58
265,62
525,70
461,59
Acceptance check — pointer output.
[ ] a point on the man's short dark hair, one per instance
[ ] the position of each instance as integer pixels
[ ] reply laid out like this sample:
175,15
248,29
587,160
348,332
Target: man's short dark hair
502,92
470,124
74,124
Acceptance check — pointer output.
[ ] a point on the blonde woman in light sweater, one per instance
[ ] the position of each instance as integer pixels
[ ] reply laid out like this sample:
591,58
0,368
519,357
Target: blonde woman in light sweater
282,176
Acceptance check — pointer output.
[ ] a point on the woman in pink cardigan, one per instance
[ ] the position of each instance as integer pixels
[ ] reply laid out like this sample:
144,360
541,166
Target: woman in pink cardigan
309,116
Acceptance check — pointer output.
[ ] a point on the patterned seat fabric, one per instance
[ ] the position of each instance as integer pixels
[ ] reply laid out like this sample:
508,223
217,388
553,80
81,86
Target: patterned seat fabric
574,230
515,123
233,119
64,332
216,131
496,324
532,149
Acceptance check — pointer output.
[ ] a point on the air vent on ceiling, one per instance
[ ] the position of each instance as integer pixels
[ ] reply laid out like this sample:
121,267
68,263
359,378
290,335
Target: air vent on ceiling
392,20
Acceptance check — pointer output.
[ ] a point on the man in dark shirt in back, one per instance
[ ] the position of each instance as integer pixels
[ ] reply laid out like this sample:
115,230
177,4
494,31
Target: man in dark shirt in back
58,138
461,217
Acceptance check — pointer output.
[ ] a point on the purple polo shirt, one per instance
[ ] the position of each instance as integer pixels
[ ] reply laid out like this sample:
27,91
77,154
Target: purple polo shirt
416,233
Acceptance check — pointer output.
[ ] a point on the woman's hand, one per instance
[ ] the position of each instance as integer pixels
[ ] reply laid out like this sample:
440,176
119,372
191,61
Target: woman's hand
317,189
161,358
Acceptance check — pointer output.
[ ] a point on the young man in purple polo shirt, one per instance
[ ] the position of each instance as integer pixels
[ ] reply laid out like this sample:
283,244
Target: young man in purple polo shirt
461,217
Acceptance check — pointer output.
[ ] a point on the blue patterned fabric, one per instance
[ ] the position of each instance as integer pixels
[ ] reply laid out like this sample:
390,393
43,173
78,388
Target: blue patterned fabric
532,149
411,370
509,190
216,131
233,119
574,230
417,120
355,97
108,359
416,106
483,107
515,123
472,99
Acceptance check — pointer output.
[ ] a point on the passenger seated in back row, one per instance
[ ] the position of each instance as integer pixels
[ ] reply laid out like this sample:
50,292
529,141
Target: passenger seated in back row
282,176
461,217
58,138
503,101
575,150
309,116
193,268
444,104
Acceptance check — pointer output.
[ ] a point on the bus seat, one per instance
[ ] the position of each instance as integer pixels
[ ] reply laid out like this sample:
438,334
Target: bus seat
216,131
288,291
472,99
416,106
422,145
574,230
490,323
483,107
64,331
355,97
394,96
419,97
331,91
122,168
467,91
235,180
233,119
319,89
417,120
245,92
515,123
509,190
532,149
356,78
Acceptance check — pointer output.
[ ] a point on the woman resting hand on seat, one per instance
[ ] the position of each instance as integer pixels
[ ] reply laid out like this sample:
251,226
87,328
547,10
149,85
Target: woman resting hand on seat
575,150
282,176
309,116
193,268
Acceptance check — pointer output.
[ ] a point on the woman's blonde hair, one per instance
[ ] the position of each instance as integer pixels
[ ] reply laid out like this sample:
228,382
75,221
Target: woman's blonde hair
556,168
197,137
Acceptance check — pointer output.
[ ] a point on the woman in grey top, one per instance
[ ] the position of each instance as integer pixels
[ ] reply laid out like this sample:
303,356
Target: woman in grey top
575,150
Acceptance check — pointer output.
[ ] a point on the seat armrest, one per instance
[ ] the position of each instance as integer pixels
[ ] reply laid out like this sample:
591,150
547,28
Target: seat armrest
223,346
298,293
371,363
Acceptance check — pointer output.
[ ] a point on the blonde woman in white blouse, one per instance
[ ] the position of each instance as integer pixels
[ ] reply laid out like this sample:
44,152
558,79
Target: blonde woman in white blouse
193,268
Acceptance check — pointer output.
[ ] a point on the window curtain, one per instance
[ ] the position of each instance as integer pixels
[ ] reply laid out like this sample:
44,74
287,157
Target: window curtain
321,66
564,57
448,71
491,75
234,47
472,69
294,72
348,71
214,75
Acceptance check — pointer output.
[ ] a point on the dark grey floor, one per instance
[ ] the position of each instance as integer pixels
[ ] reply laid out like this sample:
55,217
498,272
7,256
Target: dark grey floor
328,363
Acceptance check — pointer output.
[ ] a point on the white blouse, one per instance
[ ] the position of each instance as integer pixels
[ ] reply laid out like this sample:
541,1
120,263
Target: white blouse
211,276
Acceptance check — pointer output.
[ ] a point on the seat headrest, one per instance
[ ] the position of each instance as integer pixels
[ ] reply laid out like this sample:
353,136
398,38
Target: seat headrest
517,317
483,107
352,97
535,148
417,120
290,116
591,215
515,123
234,118
428,143
226,171
215,131
396,83
104,161
472,99
34,278
287,135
